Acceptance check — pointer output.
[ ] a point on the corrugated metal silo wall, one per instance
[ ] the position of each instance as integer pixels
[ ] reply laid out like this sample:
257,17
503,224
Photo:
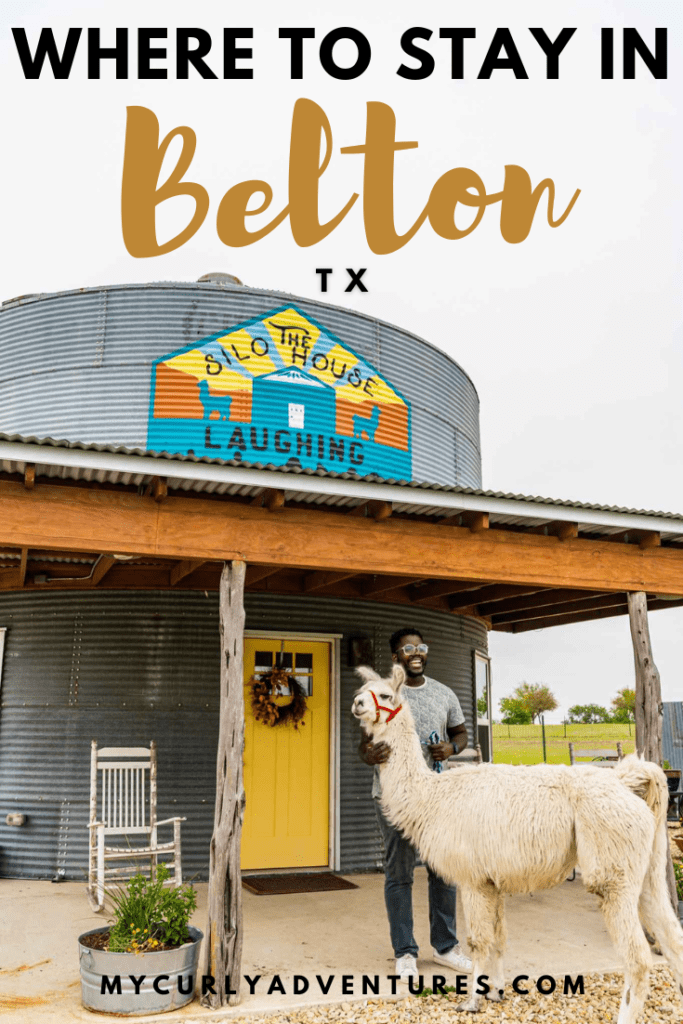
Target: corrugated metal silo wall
126,668
98,347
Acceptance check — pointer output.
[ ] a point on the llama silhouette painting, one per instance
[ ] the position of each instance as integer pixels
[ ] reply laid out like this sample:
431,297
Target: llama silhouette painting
214,403
366,425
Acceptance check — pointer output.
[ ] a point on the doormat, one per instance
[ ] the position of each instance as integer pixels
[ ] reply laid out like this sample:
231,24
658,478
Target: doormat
279,885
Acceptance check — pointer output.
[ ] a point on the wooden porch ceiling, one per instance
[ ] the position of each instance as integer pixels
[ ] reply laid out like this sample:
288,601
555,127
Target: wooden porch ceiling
67,536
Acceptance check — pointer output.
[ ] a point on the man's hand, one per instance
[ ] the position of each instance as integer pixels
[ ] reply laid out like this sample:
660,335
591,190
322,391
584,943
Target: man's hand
373,753
441,751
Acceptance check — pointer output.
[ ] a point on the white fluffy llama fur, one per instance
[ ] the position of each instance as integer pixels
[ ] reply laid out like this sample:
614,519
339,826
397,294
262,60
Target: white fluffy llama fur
499,829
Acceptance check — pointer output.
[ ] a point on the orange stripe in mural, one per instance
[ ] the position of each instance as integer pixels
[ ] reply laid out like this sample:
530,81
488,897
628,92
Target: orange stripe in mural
390,424
177,395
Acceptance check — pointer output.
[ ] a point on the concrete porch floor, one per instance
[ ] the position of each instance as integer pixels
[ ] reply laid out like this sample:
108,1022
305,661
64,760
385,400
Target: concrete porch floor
556,932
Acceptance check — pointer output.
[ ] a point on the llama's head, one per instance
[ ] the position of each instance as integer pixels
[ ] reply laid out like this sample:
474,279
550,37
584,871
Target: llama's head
378,701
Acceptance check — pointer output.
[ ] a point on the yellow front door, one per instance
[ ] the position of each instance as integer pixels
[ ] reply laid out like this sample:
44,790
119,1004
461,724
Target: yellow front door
286,770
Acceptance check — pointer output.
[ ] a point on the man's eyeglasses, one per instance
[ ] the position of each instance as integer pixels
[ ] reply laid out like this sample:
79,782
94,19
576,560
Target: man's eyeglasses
409,649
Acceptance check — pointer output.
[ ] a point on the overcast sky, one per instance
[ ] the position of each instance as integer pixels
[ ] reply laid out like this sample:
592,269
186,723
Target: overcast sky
572,337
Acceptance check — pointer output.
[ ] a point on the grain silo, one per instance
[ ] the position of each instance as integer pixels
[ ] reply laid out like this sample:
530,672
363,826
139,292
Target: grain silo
216,373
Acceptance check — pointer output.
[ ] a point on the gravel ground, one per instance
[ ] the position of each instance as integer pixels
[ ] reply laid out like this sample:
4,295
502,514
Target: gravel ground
599,1004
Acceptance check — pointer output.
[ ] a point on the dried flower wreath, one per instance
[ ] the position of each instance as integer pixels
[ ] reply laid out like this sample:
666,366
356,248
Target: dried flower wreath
264,690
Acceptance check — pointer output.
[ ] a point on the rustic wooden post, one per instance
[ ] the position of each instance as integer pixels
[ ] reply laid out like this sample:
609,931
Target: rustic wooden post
93,895
648,689
648,700
153,835
223,942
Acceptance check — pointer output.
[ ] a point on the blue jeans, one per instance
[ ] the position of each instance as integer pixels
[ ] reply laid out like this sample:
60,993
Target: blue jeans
399,861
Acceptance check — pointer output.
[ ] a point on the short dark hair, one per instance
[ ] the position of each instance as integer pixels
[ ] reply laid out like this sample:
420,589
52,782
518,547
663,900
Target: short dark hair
400,633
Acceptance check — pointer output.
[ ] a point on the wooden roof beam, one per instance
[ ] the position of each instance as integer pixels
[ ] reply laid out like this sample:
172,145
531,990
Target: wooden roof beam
492,592
380,510
274,499
157,488
562,609
383,584
256,573
271,498
585,616
182,569
377,510
564,620
541,599
560,528
655,602
73,518
643,538
105,563
442,588
473,521
318,580
100,568
23,562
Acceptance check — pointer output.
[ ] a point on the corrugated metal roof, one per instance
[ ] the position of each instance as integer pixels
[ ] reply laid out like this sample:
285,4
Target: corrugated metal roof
76,460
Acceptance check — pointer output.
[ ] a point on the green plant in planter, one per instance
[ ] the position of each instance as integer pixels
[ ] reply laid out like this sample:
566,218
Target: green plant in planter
148,916
666,767
678,872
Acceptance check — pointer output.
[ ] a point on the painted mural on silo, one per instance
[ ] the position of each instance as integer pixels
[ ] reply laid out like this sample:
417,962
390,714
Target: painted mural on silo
280,389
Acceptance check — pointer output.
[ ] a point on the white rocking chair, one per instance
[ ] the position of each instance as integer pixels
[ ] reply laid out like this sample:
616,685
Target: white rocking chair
123,781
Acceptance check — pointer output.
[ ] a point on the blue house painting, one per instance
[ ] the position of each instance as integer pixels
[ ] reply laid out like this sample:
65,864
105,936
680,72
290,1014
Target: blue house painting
294,399
280,389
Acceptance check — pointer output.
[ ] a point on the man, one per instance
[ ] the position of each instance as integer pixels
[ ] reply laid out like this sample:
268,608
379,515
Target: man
435,709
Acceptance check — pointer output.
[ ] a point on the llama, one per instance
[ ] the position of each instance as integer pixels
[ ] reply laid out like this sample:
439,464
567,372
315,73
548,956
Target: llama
366,424
515,829
214,403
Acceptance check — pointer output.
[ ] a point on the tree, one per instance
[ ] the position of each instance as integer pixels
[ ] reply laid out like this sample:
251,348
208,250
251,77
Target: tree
624,705
589,713
537,698
515,711
527,703
482,706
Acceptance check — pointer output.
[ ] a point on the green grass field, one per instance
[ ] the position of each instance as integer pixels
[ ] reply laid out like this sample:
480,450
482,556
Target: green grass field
522,744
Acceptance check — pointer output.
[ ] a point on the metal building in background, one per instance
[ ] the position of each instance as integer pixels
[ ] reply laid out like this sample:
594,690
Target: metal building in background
672,733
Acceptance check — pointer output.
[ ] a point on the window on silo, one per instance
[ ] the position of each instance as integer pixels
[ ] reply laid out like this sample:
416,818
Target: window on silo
296,415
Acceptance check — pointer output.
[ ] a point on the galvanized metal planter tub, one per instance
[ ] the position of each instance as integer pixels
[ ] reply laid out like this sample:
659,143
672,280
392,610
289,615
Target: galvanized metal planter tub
167,966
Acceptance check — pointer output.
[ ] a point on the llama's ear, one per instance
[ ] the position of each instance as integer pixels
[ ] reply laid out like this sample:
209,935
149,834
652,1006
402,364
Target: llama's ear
398,677
367,674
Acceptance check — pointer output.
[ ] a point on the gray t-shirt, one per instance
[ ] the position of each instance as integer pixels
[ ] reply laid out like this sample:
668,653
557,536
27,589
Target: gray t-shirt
435,708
